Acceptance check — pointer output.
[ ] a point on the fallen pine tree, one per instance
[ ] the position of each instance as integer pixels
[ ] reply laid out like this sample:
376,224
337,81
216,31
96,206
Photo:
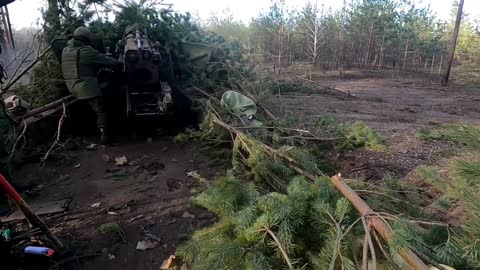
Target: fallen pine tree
274,227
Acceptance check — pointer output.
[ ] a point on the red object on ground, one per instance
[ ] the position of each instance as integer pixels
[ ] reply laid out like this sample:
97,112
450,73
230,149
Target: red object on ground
9,189
29,214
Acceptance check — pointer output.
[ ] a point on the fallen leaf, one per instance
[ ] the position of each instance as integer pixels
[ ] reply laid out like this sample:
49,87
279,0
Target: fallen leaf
77,165
111,257
146,244
95,205
121,161
167,263
188,215
92,146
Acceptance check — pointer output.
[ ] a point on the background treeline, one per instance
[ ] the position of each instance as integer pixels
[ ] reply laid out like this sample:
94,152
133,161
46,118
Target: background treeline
363,34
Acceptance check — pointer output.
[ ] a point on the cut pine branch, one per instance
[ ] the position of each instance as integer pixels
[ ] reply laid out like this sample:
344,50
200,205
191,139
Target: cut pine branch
374,219
322,85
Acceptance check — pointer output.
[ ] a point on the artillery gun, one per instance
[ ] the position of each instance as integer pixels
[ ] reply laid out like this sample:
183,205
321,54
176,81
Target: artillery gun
148,92
148,87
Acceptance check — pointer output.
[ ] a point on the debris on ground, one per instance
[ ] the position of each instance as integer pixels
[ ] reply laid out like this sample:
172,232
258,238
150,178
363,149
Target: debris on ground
188,215
92,146
121,161
106,158
167,263
146,244
95,205
135,218
77,165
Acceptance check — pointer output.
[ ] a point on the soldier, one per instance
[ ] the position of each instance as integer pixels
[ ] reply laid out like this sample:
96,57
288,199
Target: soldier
80,65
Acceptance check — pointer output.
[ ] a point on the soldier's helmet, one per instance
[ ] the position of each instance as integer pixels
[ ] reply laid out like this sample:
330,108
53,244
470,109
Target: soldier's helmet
84,34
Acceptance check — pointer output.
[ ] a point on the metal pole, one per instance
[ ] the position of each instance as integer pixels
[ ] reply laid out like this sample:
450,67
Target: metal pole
9,27
29,214
6,39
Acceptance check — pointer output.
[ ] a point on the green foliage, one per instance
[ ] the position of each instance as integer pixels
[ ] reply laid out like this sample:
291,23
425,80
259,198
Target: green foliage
310,222
465,135
460,186
47,84
109,228
359,134
428,135
185,136
393,196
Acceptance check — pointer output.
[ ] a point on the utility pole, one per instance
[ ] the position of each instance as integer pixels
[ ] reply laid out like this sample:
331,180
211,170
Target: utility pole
453,44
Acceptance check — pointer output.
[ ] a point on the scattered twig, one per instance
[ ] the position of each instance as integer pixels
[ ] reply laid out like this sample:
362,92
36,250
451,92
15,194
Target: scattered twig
205,93
12,153
368,238
59,133
69,259
385,253
23,61
25,70
365,252
148,234
282,250
430,260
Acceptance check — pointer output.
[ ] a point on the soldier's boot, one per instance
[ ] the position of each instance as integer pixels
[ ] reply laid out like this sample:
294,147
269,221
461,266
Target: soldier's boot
104,137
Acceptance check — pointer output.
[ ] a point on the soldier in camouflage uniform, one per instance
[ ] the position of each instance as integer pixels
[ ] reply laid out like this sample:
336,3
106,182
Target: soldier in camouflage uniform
80,65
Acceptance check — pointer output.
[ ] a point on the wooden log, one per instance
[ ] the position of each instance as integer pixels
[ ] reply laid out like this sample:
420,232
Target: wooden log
362,207
322,85
44,108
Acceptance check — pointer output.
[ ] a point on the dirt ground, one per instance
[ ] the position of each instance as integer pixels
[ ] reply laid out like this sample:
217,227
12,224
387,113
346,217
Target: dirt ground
151,196
396,106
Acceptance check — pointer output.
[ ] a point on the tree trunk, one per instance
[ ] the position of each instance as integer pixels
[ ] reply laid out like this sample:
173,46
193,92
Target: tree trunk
380,62
405,55
440,65
453,44
280,49
433,62
413,61
367,58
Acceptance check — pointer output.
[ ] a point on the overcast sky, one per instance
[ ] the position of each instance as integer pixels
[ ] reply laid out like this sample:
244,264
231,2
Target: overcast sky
24,13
